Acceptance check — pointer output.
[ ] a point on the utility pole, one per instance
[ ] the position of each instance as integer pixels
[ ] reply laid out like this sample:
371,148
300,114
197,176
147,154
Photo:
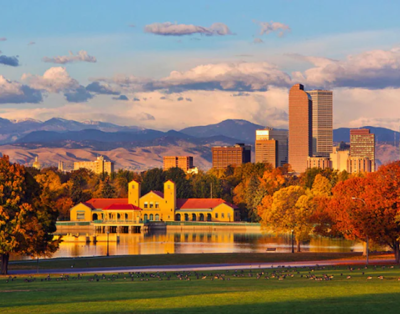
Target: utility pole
211,192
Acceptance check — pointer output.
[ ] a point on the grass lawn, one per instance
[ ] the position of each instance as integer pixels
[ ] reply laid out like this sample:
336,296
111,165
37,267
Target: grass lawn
239,294
186,259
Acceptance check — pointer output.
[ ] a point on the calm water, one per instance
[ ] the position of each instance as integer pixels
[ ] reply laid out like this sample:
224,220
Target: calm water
173,242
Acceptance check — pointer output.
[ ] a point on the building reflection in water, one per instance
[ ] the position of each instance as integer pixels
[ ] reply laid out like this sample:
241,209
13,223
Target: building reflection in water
220,241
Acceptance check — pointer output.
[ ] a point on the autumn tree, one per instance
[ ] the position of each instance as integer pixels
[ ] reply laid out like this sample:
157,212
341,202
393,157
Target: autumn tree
291,209
63,205
367,206
27,215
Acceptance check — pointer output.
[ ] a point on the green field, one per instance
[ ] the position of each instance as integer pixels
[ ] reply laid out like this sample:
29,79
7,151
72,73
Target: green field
241,294
186,259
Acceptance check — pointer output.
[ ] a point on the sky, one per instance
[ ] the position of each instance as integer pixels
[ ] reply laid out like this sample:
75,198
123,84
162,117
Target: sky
173,64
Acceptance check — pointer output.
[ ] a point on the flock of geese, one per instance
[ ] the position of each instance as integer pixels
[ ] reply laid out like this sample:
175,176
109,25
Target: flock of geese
278,273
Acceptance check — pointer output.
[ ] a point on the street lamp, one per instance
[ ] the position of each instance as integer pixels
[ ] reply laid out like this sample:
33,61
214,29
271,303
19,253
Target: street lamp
108,235
367,244
292,241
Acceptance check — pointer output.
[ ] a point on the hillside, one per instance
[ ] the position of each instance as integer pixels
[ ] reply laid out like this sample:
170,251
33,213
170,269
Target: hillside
138,159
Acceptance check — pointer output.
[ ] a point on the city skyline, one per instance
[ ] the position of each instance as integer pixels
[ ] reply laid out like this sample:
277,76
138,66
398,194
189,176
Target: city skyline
169,70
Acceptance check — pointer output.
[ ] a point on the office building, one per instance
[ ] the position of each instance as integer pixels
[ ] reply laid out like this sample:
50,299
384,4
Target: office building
263,146
362,145
322,122
339,159
359,164
318,162
183,162
99,166
300,128
224,156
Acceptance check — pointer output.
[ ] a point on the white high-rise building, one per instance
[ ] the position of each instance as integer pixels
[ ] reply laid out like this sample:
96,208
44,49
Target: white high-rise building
322,122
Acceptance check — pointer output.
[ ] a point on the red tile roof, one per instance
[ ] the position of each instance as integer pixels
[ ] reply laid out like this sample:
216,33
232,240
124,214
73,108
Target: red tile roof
122,207
190,203
201,203
100,203
160,194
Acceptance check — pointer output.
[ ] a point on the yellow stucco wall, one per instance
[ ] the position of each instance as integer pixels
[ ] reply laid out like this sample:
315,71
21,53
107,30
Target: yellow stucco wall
222,213
122,215
149,204
81,212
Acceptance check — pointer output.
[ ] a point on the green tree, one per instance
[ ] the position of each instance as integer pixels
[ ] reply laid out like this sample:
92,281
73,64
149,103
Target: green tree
153,179
27,215
202,183
182,184
106,189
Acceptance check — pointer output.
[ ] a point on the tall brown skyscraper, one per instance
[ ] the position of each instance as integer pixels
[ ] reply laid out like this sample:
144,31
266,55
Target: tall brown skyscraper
322,122
362,144
300,128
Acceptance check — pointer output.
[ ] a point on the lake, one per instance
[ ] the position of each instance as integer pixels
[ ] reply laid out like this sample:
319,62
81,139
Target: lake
184,242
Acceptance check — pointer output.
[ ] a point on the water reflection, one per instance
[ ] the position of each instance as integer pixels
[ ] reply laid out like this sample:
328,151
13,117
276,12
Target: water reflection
224,241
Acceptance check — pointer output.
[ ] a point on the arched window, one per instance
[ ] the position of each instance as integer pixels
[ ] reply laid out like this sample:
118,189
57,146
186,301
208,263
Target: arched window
126,216
208,217
157,217
178,217
118,216
193,217
201,218
145,217
186,217
95,217
151,217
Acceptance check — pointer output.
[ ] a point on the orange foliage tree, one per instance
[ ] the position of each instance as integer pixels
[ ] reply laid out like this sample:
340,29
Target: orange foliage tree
368,206
27,217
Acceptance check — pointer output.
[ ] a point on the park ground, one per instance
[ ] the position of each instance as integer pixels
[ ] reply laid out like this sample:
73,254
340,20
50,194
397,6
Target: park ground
300,290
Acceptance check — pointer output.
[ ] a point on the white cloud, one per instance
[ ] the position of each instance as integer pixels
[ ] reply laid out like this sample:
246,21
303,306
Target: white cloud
372,69
54,80
81,56
226,76
258,41
171,29
57,80
3,39
270,27
15,92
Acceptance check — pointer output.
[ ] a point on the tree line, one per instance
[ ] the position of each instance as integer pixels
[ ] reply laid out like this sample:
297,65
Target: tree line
319,201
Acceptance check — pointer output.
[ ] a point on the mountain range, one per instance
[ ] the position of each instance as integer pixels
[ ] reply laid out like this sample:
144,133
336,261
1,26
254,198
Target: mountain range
139,148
